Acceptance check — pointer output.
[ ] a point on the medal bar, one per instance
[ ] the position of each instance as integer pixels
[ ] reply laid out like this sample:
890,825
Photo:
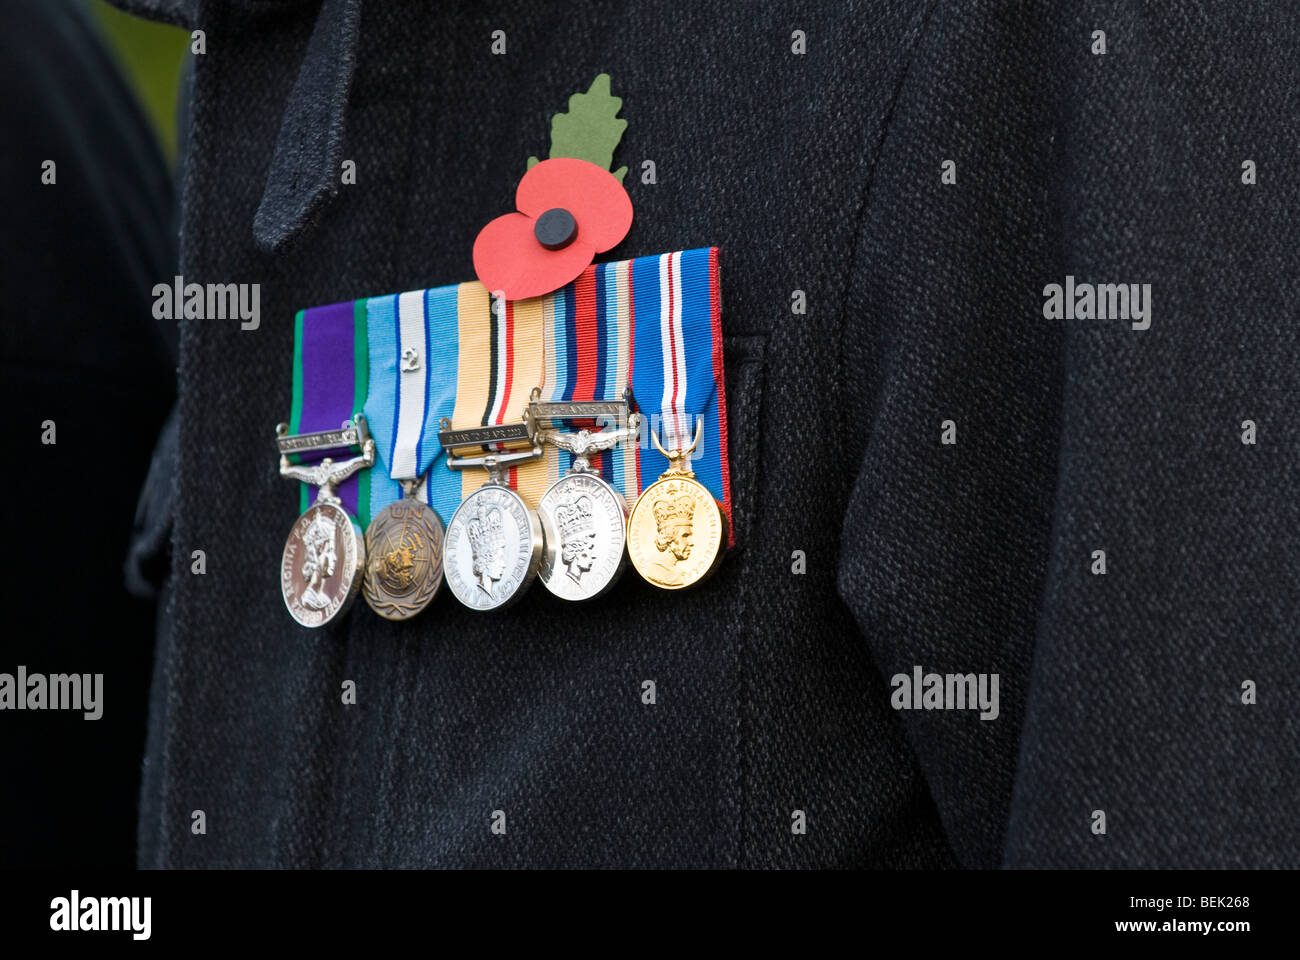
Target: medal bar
494,541
584,519
346,436
325,550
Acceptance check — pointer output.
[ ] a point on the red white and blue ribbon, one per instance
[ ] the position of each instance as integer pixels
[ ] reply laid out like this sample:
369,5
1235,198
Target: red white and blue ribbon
677,372
588,327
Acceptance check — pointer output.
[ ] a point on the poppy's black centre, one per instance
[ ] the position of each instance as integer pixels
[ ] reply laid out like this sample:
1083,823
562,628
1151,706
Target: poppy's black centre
555,229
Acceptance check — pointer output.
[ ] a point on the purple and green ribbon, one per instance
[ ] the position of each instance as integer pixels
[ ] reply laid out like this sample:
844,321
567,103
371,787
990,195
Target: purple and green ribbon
330,384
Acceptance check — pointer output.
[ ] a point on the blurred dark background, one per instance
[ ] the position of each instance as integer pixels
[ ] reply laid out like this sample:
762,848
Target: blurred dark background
95,91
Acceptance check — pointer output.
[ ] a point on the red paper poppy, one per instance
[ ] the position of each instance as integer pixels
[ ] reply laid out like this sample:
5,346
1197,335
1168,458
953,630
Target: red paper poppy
569,211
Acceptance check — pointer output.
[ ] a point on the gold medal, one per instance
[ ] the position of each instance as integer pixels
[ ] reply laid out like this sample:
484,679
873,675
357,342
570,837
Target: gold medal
676,531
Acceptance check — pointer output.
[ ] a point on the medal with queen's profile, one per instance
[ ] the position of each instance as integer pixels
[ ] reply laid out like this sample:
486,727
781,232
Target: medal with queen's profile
493,546
584,519
676,531
494,541
323,557
319,566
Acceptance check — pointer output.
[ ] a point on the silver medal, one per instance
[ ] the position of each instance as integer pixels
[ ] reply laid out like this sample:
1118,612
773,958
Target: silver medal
583,522
319,567
492,550
325,552
494,542
584,519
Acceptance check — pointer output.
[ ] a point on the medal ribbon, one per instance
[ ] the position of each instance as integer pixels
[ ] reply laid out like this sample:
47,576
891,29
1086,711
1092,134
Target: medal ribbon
413,341
501,360
476,366
653,321
588,357
678,376
330,372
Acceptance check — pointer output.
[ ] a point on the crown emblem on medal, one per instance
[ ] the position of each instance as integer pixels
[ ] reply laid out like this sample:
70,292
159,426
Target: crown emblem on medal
576,518
674,510
485,530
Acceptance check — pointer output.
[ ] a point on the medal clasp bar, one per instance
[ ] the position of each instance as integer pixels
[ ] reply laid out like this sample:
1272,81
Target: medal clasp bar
625,426
505,433
352,434
616,413
329,473
496,462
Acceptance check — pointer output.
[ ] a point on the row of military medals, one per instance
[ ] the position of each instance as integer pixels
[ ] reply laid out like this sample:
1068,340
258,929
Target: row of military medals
577,541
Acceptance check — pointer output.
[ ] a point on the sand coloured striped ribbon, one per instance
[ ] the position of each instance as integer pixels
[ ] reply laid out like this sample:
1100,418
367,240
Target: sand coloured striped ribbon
330,383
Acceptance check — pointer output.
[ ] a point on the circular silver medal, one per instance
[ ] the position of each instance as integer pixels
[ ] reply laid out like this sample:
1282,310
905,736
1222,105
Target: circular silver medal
321,565
404,567
493,546
584,523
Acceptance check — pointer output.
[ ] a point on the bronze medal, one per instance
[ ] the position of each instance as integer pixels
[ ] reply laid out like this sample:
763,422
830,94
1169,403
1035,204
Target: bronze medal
404,566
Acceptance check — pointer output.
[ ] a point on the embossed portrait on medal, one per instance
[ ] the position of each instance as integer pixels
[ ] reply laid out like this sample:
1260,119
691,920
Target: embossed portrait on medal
584,520
577,536
676,532
487,544
674,523
319,558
